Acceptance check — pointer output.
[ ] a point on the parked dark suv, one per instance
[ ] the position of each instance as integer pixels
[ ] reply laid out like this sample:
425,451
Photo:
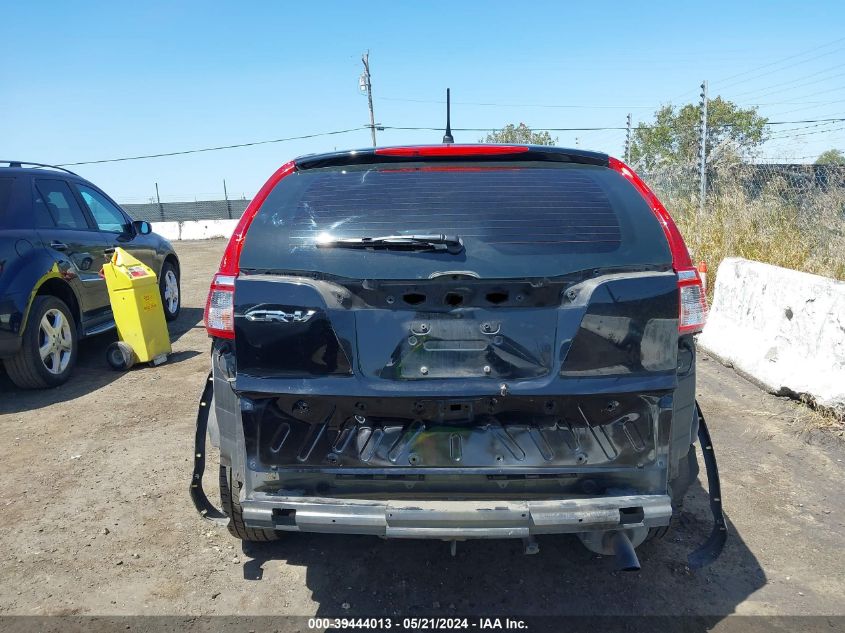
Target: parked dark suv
56,231
452,342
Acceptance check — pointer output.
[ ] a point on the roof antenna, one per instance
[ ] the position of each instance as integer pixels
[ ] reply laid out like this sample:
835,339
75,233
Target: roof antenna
448,138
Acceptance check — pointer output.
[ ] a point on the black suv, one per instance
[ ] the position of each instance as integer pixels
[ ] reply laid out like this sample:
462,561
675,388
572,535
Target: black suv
56,231
456,341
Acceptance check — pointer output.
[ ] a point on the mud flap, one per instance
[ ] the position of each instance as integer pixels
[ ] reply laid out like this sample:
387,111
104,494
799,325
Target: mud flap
198,496
712,548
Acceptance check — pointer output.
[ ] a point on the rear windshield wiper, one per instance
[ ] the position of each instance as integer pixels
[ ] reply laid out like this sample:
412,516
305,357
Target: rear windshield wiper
440,243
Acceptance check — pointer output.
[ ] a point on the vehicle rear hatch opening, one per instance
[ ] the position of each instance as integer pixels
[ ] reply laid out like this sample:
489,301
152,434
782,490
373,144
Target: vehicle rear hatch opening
402,327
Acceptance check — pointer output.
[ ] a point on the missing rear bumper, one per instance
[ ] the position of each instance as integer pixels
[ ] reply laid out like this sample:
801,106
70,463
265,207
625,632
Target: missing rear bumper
457,519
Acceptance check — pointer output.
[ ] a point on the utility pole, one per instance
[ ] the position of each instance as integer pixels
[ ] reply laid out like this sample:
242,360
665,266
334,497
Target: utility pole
628,140
228,204
702,149
365,80
160,207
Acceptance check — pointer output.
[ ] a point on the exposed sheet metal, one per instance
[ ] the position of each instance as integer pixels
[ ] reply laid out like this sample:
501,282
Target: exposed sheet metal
457,519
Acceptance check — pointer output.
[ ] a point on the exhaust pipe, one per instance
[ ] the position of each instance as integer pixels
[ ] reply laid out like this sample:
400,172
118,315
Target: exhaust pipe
626,557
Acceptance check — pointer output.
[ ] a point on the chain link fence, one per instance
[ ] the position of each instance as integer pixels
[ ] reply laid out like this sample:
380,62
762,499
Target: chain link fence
181,211
799,184
790,215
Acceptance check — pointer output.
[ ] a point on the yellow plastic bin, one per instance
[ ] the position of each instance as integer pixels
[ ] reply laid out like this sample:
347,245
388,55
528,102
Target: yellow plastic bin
138,313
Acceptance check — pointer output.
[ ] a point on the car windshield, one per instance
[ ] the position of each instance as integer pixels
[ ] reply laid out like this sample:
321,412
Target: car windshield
514,220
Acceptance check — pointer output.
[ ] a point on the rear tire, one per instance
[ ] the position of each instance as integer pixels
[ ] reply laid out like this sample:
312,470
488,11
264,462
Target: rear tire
49,346
171,297
232,508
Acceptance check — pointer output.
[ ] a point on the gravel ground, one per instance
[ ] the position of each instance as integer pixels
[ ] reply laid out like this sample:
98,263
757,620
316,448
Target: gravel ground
96,517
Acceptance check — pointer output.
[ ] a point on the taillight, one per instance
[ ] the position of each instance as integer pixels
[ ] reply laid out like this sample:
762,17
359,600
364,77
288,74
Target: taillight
220,305
693,302
692,312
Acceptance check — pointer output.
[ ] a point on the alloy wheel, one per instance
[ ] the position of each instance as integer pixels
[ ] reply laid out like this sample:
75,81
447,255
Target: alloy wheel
171,291
55,341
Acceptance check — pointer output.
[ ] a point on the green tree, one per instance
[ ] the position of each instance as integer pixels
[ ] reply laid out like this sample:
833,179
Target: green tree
519,134
831,157
673,137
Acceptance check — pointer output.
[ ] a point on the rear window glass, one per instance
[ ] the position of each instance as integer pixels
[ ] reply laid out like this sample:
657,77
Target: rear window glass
5,194
515,220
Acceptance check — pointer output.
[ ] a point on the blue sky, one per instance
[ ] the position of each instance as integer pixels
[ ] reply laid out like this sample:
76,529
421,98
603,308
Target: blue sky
86,81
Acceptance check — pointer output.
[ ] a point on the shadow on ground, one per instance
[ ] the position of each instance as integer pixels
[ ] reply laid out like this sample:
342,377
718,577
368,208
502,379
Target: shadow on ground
358,576
189,318
92,372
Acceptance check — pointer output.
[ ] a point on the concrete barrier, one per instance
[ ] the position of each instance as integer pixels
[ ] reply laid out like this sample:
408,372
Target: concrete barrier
169,230
195,229
783,328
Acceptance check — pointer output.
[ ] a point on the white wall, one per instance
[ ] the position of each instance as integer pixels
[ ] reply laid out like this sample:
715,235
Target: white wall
784,328
169,230
195,229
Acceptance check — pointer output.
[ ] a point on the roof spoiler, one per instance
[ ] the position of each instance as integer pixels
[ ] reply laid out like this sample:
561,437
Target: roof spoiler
452,153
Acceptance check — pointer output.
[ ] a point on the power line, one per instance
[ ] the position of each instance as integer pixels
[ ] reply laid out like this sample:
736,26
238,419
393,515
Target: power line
814,124
778,70
825,131
774,63
791,81
785,133
585,106
800,85
783,59
787,157
400,128
212,149
826,117
802,102
812,95
592,129
520,105
496,129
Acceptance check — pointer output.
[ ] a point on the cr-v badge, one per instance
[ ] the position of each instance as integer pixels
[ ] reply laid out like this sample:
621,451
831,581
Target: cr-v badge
280,316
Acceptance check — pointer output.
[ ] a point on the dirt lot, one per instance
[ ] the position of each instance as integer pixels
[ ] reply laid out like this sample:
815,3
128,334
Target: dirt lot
96,517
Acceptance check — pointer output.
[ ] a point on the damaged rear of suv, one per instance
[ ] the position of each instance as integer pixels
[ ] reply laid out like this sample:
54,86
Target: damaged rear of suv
452,342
